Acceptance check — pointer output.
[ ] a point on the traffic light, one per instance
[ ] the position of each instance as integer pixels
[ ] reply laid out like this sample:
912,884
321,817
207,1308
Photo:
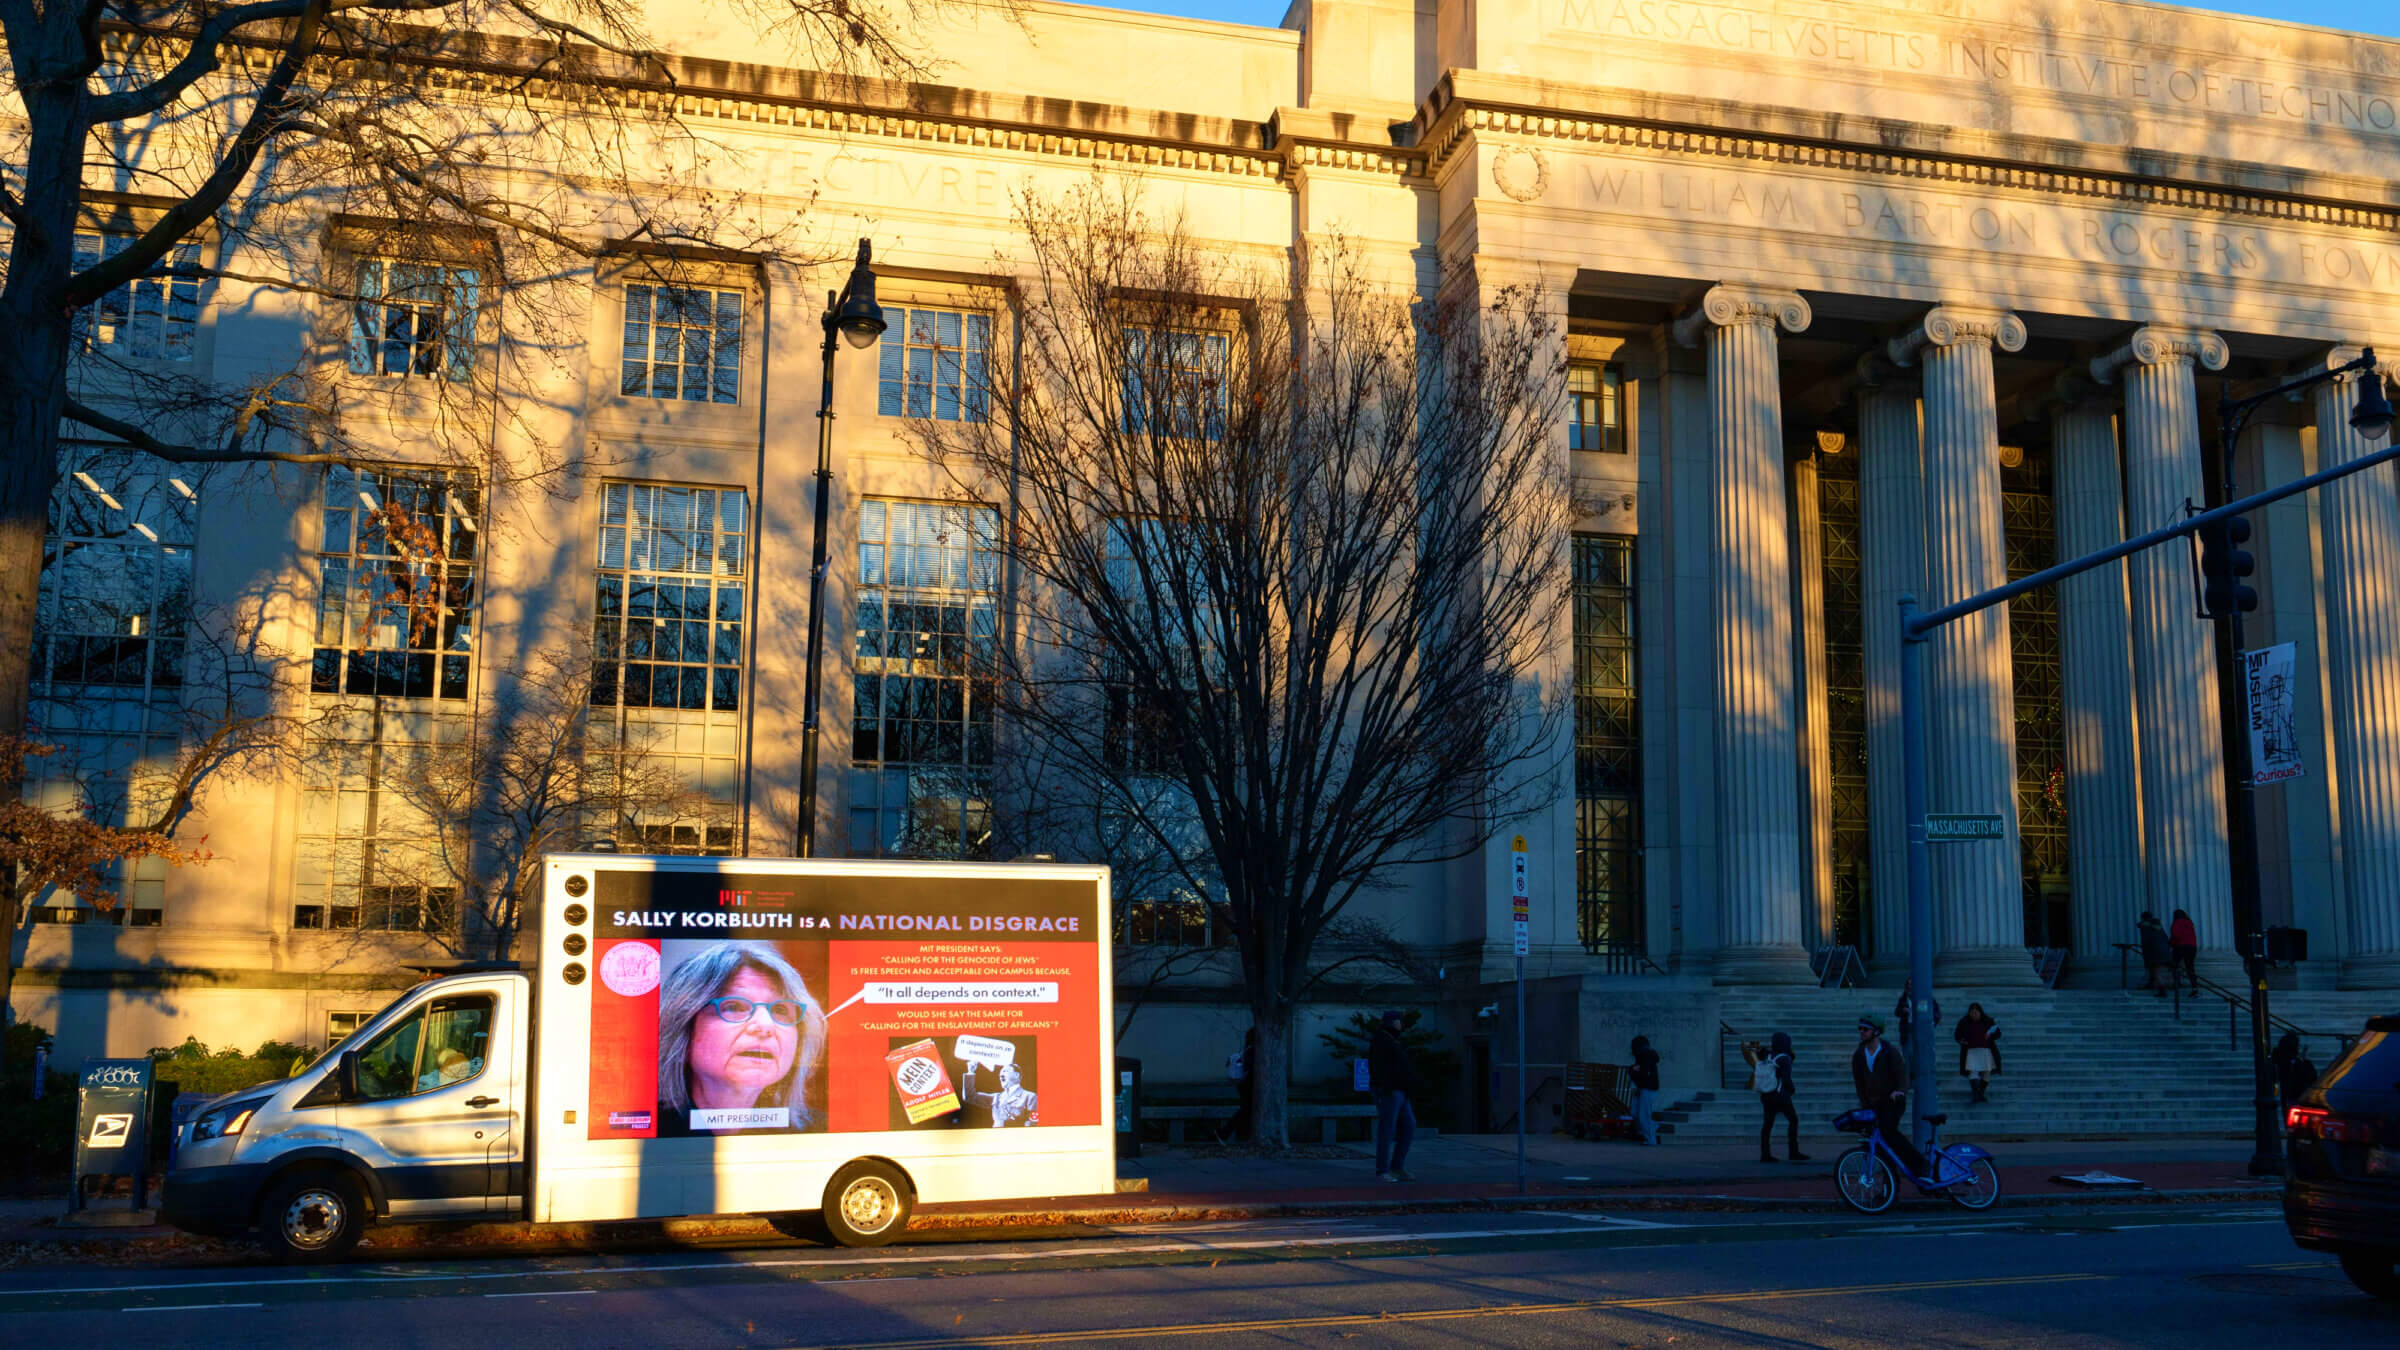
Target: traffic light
2223,564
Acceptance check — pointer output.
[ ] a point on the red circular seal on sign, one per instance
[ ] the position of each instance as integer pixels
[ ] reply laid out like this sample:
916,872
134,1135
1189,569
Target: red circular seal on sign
630,969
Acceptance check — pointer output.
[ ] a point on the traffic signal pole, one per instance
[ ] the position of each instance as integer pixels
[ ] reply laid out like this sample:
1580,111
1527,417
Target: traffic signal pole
1916,625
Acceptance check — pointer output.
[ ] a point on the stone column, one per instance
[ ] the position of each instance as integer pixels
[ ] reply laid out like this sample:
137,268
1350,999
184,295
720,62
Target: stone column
1758,772
1971,717
2186,864
2104,794
1891,545
1816,722
2361,516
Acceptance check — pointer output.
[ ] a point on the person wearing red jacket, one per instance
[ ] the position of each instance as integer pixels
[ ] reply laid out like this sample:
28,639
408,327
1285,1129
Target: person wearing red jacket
2184,939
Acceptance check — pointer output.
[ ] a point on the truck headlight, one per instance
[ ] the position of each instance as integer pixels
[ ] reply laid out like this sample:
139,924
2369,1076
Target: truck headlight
224,1120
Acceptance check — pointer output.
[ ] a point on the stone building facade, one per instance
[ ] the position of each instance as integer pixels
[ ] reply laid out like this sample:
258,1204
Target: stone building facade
1861,300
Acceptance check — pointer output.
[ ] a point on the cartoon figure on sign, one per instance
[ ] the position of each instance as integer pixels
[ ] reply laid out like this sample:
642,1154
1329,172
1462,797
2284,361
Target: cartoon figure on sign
739,1040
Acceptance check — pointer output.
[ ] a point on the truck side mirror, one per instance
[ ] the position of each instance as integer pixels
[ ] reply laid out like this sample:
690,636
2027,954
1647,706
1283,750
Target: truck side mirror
346,1073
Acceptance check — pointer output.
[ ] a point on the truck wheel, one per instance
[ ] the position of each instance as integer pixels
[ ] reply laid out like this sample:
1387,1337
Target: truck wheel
2373,1271
867,1204
312,1216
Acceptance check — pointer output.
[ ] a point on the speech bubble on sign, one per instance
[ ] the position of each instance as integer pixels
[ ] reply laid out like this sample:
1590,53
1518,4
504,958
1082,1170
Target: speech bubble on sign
984,1050
952,993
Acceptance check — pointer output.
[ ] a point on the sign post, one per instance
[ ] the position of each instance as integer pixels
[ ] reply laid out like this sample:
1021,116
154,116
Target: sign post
1520,887
112,1125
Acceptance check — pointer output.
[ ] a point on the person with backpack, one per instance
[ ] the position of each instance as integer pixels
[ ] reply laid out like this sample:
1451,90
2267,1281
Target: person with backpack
1390,1076
1645,1088
1771,1079
1241,1068
1906,1017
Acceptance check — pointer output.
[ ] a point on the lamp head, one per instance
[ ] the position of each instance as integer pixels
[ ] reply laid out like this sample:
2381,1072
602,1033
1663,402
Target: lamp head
2371,417
859,317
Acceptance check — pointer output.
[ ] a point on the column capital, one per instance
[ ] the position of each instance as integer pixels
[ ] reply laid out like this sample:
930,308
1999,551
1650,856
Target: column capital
1732,302
1879,374
1949,325
2153,345
2333,357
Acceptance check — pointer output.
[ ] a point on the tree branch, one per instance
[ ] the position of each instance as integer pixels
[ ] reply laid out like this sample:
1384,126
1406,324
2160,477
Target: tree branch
134,436
268,118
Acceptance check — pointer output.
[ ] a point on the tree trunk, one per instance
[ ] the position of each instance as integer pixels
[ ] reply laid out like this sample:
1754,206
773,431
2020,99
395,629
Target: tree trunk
35,335
1271,1075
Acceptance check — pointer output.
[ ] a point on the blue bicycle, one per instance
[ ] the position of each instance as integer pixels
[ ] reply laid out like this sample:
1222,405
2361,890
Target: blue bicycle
1868,1176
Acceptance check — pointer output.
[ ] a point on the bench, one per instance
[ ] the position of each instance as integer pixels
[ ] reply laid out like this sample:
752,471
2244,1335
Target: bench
1324,1115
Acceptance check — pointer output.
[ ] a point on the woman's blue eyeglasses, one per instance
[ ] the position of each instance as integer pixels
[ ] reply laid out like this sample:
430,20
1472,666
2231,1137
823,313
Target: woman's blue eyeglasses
734,1008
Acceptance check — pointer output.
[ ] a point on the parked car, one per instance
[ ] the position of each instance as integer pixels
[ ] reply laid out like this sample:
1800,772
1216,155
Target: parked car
2342,1194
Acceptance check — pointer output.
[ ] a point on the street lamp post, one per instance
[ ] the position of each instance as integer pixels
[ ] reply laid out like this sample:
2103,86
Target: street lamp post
850,313
2371,417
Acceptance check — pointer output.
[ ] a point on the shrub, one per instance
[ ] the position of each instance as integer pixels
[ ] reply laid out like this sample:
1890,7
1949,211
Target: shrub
191,1067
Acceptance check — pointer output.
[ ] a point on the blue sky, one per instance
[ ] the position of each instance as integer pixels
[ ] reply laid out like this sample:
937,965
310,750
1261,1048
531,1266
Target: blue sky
2361,16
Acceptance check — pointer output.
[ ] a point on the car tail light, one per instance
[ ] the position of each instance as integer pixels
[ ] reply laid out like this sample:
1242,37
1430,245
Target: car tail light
2317,1122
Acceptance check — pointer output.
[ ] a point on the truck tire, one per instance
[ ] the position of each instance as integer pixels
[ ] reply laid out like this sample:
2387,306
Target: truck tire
867,1204
310,1217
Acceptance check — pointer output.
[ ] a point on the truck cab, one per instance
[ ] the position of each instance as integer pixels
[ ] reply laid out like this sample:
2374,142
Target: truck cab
420,1115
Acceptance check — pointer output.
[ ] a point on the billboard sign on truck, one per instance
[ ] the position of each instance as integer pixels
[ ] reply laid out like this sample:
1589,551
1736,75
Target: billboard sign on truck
736,1004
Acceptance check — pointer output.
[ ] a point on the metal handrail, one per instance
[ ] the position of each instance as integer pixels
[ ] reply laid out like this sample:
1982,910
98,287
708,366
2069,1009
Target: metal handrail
1511,1122
2235,1005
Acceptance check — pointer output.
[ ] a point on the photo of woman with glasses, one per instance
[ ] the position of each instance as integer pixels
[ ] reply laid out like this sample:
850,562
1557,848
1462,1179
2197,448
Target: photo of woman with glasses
740,1041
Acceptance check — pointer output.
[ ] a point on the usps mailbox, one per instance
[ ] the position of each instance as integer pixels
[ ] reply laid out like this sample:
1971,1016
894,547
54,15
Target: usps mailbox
112,1125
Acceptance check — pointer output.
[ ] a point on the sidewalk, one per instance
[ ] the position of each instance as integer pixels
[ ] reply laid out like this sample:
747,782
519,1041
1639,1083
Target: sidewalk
1209,1182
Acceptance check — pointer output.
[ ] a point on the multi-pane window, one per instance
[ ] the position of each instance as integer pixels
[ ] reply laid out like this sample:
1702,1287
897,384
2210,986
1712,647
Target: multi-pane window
1143,720
1595,408
1177,383
921,748
1608,747
340,1025
151,318
114,606
682,342
368,855
414,319
396,606
667,657
934,364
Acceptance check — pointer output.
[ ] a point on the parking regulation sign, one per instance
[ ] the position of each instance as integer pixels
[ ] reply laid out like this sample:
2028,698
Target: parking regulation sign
1520,886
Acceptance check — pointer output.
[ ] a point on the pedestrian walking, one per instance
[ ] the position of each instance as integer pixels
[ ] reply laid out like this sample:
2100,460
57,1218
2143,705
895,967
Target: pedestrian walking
1241,1069
1390,1076
1645,1088
2156,953
2184,937
1880,1073
1905,1015
1978,1038
2295,1072
1771,1078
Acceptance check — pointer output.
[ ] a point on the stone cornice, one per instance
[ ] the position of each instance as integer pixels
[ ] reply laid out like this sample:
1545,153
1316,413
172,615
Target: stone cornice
2156,345
1949,325
1466,104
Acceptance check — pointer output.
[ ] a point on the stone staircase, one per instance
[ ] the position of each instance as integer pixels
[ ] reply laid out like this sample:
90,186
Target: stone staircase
2089,1063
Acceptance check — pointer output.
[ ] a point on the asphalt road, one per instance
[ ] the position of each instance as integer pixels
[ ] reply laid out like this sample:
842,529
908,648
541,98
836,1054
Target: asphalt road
2183,1277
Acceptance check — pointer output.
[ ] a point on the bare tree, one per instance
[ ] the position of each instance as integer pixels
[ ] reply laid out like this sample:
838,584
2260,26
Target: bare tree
540,776
1293,542
434,176
100,813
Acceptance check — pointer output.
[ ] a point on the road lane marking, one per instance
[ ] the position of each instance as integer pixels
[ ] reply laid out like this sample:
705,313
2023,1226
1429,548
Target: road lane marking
194,1307
545,1293
1447,1314
863,1259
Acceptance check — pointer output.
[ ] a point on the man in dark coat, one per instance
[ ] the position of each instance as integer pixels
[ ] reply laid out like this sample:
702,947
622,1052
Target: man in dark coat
1880,1074
1390,1076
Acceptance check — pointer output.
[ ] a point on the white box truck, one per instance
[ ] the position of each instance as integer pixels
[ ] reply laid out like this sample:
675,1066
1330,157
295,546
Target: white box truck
703,1036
